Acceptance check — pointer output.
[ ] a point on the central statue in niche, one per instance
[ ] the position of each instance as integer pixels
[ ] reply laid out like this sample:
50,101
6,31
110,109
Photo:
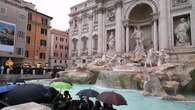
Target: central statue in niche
139,51
138,36
111,41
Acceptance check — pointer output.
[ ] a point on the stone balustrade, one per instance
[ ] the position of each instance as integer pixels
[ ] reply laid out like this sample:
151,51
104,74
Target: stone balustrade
84,52
74,53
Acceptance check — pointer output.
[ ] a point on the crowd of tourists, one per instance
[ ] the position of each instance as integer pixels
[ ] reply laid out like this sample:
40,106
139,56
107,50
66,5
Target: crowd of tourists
65,102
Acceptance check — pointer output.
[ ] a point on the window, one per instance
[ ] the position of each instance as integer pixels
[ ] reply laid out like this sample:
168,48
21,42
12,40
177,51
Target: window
27,54
84,61
56,46
85,4
29,27
21,16
43,31
55,54
3,11
74,42
44,21
43,43
66,55
62,39
61,55
84,41
66,40
28,39
20,34
55,61
42,56
19,51
61,46
30,16
66,48
56,38
60,61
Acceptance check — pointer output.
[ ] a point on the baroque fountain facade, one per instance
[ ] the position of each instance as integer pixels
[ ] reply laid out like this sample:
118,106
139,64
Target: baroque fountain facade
135,44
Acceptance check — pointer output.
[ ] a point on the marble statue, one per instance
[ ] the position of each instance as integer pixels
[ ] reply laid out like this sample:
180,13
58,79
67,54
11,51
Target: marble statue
138,36
152,86
111,41
151,57
105,60
162,56
181,32
139,52
111,15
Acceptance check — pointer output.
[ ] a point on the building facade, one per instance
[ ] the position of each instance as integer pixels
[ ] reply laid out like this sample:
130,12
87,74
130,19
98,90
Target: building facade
12,13
164,24
37,36
58,48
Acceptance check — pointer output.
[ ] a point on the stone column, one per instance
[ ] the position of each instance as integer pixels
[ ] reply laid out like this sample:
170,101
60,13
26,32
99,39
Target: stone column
155,34
163,25
79,43
100,27
118,35
127,39
90,45
193,23
70,45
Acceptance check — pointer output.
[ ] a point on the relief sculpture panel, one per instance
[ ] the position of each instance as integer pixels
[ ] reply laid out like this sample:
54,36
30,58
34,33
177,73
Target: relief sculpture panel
176,3
182,30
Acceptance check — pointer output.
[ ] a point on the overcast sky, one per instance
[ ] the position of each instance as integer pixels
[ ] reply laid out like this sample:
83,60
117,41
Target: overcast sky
58,9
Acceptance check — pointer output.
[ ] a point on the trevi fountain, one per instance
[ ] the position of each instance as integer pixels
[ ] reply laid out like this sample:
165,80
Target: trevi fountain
145,45
134,44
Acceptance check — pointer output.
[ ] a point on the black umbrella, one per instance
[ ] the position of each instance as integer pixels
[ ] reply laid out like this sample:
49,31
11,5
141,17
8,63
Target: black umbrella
27,93
112,98
88,93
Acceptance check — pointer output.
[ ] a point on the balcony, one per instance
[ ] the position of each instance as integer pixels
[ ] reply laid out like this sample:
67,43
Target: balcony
84,52
94,51
74,53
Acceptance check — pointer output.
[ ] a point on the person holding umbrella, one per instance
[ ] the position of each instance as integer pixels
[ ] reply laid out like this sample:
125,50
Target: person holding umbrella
86,93
89,102
97,106
67,96
57,101
107,107
110,98
64,101
86,104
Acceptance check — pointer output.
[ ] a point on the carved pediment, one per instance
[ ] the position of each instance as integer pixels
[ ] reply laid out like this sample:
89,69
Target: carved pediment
177,4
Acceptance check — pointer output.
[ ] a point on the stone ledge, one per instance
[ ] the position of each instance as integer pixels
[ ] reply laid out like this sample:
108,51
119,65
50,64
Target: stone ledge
27,106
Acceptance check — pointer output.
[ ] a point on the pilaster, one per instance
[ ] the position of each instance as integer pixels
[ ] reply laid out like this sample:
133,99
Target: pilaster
79,46
155,32
70,45
119,38
100,28
193,22
163,25
90,46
